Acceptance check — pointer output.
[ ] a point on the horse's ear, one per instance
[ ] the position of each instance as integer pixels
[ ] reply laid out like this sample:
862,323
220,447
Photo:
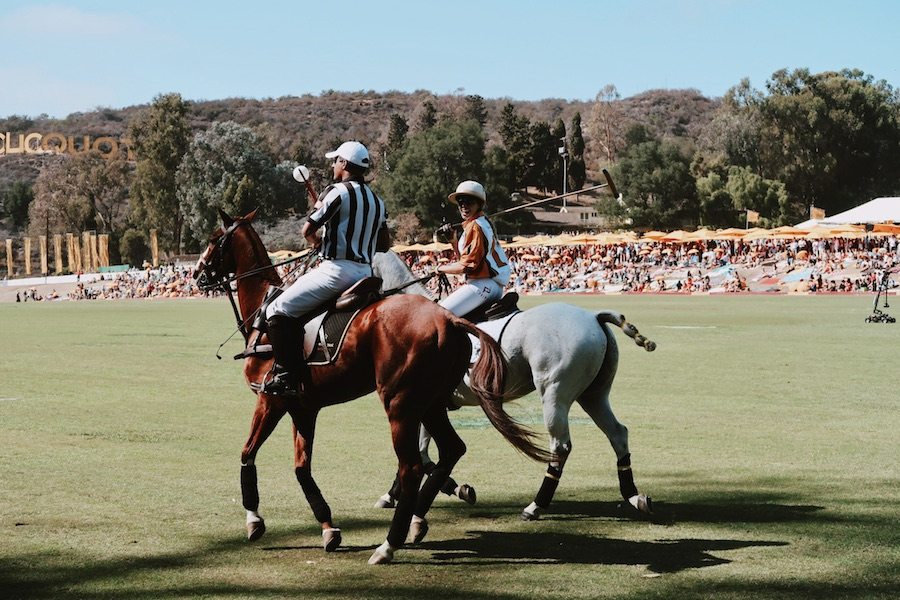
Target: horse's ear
250,215
226,220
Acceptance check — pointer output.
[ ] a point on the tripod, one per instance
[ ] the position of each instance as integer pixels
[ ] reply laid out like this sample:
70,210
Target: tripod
878,316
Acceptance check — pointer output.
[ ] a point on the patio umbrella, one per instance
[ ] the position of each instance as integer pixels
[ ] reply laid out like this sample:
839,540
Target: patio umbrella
676,236
654,235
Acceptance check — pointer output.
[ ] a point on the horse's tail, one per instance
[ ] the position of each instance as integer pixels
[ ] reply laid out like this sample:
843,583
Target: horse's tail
487,379
618,319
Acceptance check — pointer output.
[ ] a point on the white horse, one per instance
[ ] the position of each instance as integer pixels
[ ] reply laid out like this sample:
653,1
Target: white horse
568,355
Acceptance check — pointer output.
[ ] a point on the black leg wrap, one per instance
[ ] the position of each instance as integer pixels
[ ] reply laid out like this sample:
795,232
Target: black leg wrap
321,510
449,487
394,492
626,477
548,487
249,489
396,536
433,483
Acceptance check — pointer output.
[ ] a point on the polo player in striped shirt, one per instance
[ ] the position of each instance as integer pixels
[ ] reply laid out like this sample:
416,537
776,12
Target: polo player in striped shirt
348,225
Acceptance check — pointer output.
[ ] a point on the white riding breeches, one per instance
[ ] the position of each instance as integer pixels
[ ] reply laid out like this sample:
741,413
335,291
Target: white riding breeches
326,282
471,295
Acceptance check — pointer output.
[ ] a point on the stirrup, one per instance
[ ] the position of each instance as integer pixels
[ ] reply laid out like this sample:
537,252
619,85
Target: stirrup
281,383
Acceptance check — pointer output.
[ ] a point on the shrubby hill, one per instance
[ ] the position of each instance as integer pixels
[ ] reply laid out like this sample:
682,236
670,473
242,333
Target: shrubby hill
316,123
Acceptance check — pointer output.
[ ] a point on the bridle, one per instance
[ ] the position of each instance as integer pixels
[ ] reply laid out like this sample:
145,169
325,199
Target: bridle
212,274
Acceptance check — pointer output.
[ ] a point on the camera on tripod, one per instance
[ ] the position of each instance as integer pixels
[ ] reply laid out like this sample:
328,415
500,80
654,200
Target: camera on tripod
877,315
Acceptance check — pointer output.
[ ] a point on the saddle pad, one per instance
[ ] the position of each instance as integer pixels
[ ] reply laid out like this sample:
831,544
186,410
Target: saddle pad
324,336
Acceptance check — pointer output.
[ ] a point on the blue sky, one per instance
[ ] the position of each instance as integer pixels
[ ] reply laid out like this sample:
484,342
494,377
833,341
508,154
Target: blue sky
75,55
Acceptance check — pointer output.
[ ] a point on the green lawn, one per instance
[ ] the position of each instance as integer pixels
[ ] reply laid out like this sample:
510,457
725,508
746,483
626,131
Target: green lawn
765,428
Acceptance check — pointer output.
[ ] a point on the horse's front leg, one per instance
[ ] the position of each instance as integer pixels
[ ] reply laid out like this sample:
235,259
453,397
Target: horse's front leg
304,434
269,410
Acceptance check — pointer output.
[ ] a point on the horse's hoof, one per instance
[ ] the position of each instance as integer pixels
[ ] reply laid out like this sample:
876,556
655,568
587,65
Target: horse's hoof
418,529
532,512
331,539
255,530
383,555
642,503
385,502
650,346
466,493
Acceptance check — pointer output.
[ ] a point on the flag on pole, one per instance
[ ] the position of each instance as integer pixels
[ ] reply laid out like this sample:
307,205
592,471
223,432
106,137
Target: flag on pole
752,216
816,213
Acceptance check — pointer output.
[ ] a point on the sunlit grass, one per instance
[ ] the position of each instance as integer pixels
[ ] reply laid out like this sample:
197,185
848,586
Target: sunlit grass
764,428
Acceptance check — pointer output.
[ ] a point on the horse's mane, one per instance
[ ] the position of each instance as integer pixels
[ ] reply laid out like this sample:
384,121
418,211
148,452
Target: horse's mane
394,271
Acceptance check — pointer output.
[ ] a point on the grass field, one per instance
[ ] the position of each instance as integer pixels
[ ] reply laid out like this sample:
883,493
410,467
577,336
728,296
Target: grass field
765,428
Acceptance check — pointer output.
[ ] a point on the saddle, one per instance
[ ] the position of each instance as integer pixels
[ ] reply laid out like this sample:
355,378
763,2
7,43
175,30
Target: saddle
330,322
503,307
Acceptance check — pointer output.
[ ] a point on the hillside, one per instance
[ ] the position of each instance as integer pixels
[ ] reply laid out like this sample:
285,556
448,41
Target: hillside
318,122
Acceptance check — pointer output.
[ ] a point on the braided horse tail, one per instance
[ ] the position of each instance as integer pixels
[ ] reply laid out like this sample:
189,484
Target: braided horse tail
487,380
618,319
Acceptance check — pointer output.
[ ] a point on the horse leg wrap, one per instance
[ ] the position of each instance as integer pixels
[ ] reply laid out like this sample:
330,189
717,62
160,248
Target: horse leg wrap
435,482
321,510
399,529
394,492
249,489
548,486
626,477
449,487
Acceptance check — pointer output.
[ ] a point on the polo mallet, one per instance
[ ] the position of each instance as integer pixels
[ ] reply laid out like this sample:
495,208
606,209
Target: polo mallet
609,184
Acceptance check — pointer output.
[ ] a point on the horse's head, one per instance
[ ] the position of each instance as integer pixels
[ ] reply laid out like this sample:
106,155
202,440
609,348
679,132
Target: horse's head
219,260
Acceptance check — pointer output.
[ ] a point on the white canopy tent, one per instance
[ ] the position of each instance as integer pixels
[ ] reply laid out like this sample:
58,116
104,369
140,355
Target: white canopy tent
879,210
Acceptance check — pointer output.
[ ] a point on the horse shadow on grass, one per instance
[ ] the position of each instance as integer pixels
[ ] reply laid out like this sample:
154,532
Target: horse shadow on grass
660,556
665,513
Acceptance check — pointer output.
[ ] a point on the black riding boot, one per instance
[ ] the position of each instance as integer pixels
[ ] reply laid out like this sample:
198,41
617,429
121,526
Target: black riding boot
288,372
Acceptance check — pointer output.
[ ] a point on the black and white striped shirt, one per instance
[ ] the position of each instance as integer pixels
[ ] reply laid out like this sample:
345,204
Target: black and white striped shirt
352,215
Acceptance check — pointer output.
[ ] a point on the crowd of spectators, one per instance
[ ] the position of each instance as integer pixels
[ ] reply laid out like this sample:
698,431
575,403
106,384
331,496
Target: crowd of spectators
825,265
163,282
841,264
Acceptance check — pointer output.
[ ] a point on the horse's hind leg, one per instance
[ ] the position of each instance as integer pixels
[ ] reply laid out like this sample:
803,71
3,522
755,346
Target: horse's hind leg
464,491
268,412
450,449
595,403
556,418
404,432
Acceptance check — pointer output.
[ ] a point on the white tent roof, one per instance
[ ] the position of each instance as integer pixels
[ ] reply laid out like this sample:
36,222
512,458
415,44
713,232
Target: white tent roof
879,210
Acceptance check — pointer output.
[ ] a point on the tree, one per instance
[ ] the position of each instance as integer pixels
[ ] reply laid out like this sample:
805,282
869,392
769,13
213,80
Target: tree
225,168
607,122
432,165
658,188
515,133
577,168
475,109
832,138
160,137
83,192
15,204
427,117
396,138
133,247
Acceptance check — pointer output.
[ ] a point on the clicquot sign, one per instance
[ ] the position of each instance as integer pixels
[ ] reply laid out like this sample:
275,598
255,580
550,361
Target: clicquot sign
57,143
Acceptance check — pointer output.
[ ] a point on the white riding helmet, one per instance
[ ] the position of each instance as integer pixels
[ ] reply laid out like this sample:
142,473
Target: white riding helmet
352,152
469,188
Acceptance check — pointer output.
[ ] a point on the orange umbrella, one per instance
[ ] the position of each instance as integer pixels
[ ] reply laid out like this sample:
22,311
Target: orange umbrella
676,236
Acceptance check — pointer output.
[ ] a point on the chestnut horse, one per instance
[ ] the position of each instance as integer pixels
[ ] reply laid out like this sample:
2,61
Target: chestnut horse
412,352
